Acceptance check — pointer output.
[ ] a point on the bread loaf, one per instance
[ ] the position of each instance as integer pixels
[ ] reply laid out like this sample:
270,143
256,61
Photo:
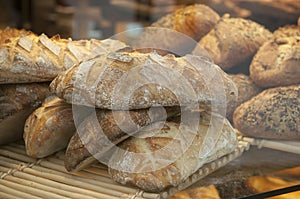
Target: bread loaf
162,157
16,103
97,134
233,40
31,58
246,90
133,80
277,61
179,31
49,128
274,114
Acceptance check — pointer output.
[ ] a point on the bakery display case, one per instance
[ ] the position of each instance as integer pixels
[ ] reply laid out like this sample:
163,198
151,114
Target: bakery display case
150,99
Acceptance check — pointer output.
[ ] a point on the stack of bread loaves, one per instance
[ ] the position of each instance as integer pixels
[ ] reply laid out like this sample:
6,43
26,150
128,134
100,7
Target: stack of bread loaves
28,63
152,119
135,95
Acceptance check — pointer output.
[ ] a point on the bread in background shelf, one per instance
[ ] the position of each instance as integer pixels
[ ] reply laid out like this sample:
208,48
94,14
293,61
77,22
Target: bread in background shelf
207,192
233,40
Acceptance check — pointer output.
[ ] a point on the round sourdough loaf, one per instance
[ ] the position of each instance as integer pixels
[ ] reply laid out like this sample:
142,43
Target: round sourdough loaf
277,61
233,40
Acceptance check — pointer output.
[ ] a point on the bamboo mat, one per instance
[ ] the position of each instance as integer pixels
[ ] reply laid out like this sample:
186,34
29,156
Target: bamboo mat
29,178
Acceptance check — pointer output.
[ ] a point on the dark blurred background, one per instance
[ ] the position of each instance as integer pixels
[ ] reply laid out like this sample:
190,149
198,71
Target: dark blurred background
103,18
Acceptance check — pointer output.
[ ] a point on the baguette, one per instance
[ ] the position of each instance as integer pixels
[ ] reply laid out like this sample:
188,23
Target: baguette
30,58
233,40
157,158
133,80
277,61
97,135
49,128
272,114
16,103
179,31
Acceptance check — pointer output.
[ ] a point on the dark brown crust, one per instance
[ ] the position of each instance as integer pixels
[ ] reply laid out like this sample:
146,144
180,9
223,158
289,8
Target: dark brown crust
16,104
277,63
274,114
234,40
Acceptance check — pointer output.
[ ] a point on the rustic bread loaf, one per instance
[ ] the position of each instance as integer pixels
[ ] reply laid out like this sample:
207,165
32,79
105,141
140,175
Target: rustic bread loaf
31,58
246,90
287,31
233,40
99,133
7,33
179,31
277,61
133,80
49,128
162,157
16,103
274,114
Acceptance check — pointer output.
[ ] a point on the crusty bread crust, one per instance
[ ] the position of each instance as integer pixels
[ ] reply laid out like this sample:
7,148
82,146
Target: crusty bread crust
274,114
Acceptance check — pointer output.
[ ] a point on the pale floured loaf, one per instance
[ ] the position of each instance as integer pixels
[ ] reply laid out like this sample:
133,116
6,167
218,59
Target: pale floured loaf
163,145
133,80
26,57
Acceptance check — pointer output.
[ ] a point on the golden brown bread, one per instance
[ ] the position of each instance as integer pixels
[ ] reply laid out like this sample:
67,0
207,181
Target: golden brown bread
162,156
31,58
246,90
274,113
233,40
7,33
277,61
49,128
208,192
16,103
179,31
99,133
133,80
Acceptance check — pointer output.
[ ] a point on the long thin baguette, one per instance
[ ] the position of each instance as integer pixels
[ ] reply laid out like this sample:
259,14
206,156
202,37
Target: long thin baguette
16,103
99,133
133,80
27,57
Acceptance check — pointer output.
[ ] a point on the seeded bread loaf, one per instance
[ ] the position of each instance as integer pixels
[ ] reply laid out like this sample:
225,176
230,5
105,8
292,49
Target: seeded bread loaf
30,58
16,103
277,62
274,114
233,40
133,80
49,128
158,158
99,133
246,90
